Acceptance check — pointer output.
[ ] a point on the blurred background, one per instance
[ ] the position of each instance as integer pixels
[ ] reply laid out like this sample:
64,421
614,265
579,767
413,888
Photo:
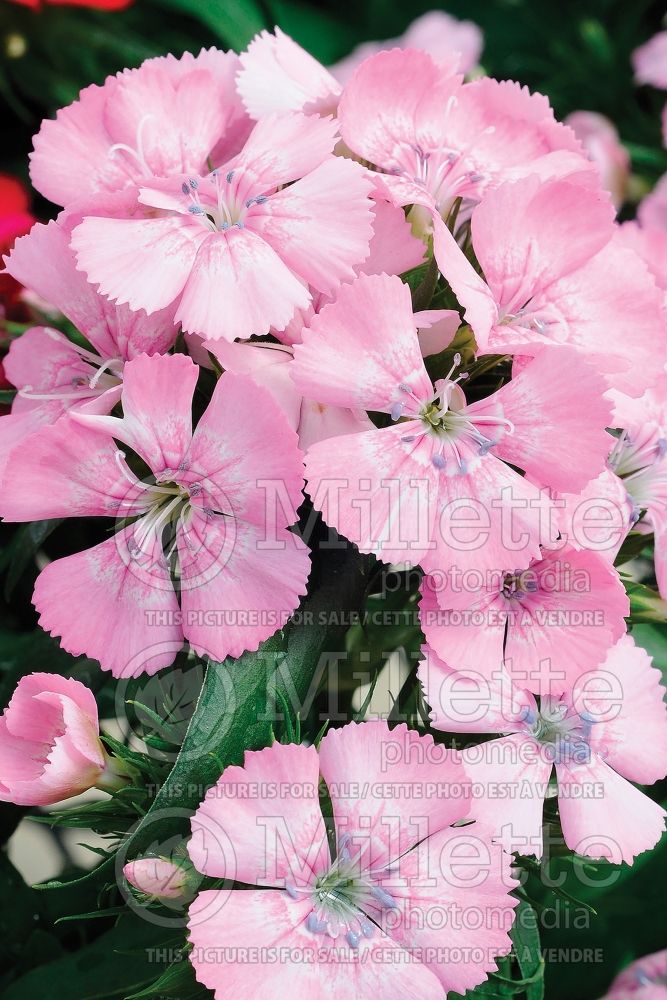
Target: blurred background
578,53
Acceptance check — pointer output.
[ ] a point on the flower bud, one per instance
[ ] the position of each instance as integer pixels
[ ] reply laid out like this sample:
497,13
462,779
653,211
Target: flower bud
159,878
50,746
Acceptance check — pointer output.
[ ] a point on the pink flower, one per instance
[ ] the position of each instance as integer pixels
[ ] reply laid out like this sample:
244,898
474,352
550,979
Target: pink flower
439,34
53,373
436,139
567,608
277,75
211,518
239,235
167,117
557,272
435,488
639,457
50,745
364,913
601,141
159,878
649,61
643,979
601,733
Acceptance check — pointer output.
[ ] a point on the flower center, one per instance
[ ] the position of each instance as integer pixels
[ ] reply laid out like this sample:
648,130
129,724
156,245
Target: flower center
344,897
215,202
563,730
445,417
96,375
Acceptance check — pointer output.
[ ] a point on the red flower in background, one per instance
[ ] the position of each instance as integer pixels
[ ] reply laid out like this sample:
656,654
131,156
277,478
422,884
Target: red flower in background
95,4
15,221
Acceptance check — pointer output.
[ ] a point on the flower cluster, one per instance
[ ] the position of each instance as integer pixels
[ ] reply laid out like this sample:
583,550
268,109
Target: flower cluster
398,299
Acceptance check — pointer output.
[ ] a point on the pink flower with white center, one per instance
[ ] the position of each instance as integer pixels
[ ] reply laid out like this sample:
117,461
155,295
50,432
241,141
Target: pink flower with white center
639,457
436,139
602,732
52,373
601,141
50,745
566,608
442,36
435,488
644,979
208,519
557,273
169,116
254,234
649,61
397,862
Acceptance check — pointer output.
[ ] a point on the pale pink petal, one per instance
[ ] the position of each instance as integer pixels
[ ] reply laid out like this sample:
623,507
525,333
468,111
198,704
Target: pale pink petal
472,292
280,149
510,777
16,427
319,422
268,365
601,140
116,134
261,823
436,329
71,153
157,410
428,788
598,518
650,243
238,584
441,35
393,248
383,355
67,471
455,872
558,433
649,61
377,491
195,94
624,699
303,223
481,700
239,268
142,262
269,925
487,516
44,262
412,91
603,815
466,629
278,75
244,448
567,626
548,231
112,604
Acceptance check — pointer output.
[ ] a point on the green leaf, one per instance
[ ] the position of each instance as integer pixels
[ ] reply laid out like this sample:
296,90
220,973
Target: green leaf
646,605
237,708
233,21
526,941
633,545
178,981
20,552
96,972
